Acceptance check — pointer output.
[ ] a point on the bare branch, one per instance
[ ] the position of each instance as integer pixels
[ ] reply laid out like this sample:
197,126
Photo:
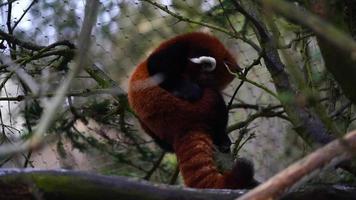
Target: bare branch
268,112
23,14
332,153
244,74
31,46
8,2
80,185
155,166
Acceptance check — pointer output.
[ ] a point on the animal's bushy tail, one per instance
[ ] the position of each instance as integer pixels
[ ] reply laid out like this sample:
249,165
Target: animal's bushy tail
196,162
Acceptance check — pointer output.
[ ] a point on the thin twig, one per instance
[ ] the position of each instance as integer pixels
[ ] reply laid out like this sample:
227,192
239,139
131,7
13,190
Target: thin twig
5,160
253,106
75,113
28,123
2,128
8,21
227,18
342,108
105,149
244,78
31,46
238,146
244,74
50,109
8,107
8,2
27,159
2,84
155,166
174,177
23,14
191,21
295,40
85,93
251,118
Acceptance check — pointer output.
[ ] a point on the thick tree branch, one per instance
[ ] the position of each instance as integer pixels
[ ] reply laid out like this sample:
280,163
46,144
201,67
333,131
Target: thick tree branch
337,47
305,122
333,153
31,46
26,45
319,26
71,185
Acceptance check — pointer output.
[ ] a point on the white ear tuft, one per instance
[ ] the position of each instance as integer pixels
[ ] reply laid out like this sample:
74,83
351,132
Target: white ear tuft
208,63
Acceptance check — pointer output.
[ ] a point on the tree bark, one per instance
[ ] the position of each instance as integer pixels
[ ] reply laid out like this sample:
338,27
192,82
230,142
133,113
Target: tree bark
29,184
331,154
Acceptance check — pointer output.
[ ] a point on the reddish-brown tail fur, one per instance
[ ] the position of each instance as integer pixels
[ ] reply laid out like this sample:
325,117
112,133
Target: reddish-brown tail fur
196,162
174,122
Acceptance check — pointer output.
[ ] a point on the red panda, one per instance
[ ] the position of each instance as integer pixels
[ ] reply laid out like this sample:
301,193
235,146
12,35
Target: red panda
176,94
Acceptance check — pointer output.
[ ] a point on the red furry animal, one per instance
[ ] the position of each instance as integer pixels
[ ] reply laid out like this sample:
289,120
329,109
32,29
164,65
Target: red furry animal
176,94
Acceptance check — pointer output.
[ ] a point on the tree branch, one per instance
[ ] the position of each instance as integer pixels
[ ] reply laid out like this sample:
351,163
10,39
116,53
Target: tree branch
331,154
337,47
23,14
319,26
70,185
307,124
213,27
31,46
266,112
50,109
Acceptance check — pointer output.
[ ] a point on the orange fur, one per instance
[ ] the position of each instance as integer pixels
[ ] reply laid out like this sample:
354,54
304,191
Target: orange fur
185,125
195,157
165,115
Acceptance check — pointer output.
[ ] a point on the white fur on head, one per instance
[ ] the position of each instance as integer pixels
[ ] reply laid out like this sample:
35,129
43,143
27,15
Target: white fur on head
209,63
